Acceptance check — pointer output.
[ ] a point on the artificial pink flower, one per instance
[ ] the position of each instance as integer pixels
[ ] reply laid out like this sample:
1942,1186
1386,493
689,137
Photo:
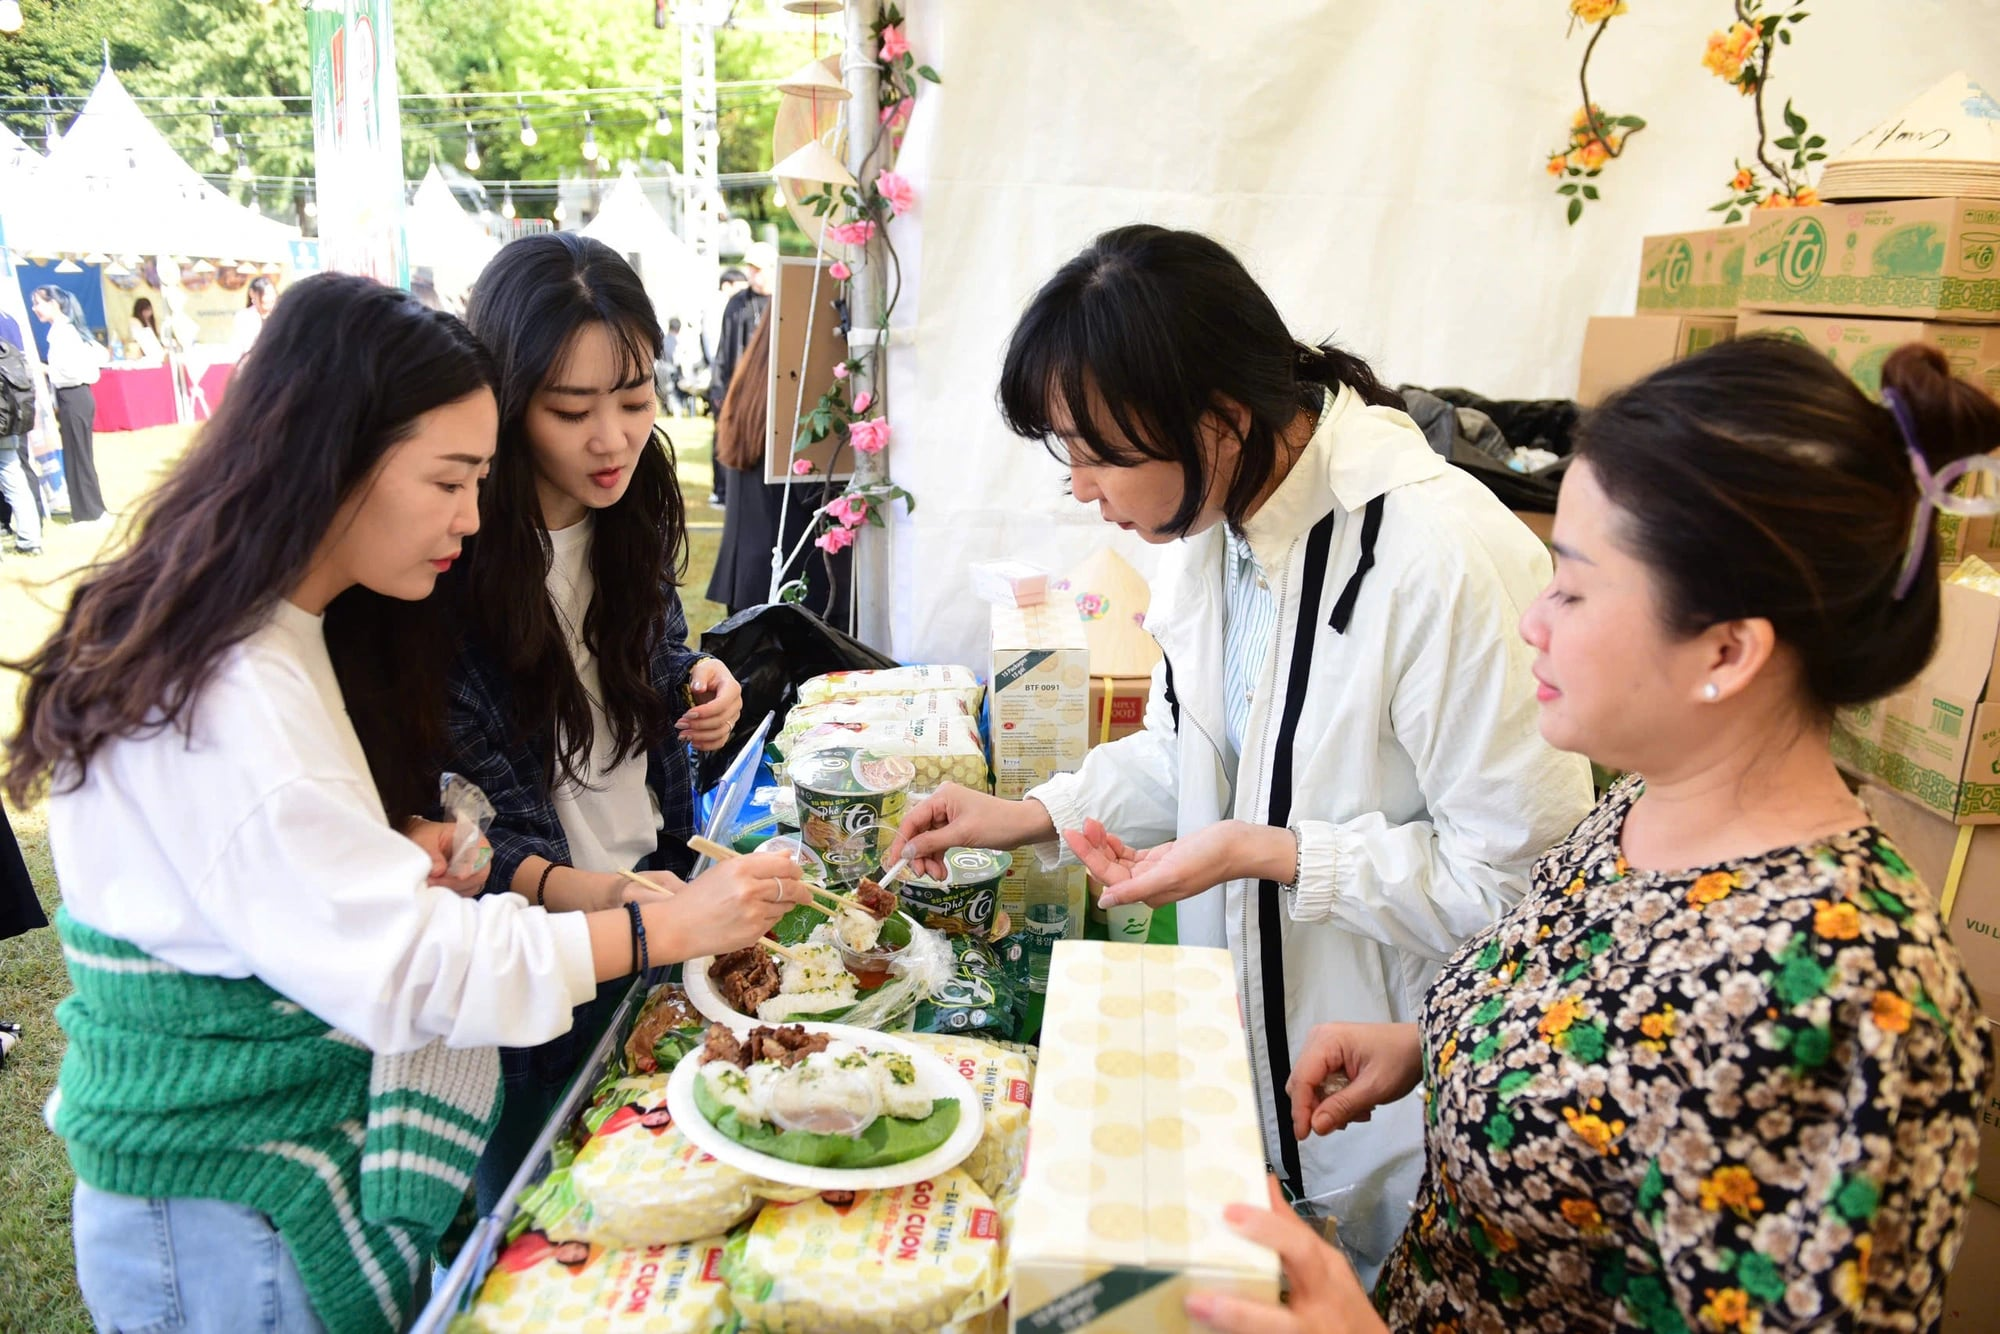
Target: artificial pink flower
863,401
835,540
850,511
852,233
841,273
802,467
869,437
896,188
894,45
840,371
896,115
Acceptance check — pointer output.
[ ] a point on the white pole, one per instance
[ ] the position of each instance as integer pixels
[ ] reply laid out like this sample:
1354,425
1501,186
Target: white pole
866,295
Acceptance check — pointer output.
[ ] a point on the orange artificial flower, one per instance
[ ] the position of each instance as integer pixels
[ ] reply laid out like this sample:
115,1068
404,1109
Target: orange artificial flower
1581,120
1727,51
1775,200
1732,1188
1837,921
1742,180
1594,154
1556,163
1891,1012
1558,1017
1658,1025
1807,197
1596,11
1712,888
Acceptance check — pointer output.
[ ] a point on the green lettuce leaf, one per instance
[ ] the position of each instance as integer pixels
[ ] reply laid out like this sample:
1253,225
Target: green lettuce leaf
889,1141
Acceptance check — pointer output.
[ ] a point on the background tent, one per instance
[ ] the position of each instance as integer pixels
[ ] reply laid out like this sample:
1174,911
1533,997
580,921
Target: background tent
674,278
1377,163
445,239
112,183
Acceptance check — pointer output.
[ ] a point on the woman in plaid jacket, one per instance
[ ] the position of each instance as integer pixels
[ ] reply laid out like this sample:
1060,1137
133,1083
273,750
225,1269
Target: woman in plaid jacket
576,702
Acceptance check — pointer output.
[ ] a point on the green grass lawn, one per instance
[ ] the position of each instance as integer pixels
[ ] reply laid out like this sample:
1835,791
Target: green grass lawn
36,1268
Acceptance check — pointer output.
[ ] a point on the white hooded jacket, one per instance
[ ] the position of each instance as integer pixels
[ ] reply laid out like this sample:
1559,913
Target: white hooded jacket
1394,726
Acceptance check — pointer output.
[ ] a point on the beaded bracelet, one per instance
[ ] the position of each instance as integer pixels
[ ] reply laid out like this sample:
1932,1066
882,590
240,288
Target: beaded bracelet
641,958
542,885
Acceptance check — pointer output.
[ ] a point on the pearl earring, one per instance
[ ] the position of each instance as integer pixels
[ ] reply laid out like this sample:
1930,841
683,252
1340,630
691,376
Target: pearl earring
1711,692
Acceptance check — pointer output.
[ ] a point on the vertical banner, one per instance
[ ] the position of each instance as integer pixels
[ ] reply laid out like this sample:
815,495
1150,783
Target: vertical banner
358,139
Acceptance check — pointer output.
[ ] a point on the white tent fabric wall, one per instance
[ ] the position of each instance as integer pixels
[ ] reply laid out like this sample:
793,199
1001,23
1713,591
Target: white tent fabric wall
677,281
1377,164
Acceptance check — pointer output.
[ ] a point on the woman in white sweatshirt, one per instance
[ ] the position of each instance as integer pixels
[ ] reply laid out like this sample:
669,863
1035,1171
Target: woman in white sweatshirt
281,1063
1342,735
76,360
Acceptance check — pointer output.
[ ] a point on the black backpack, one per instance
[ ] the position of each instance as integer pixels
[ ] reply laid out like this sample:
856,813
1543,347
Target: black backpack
17,391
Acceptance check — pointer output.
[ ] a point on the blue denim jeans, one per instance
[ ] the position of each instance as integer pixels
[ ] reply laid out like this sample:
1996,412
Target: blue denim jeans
185,1266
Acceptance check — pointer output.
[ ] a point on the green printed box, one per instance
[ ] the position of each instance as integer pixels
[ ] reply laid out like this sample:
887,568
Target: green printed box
1692,273
1914,258
1937,740
1860,346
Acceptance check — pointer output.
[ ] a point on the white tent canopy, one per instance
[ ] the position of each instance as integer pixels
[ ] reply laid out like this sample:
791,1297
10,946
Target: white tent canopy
674,278
112,183
444,238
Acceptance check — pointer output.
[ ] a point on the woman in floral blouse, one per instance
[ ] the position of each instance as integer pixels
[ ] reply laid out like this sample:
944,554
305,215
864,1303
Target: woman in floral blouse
1720,1069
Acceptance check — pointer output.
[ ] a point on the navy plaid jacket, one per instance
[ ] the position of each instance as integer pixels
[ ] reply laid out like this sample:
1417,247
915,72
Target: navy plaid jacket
509,769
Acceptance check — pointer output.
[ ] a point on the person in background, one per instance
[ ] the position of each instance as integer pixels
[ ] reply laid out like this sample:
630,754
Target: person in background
17,417
1722,1068
274,962
258,301
20,912
667,373
576,699
145,331
1340,739
742,311
76,360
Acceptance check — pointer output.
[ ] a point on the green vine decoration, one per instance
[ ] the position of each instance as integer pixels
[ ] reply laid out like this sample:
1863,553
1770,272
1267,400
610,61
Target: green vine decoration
1595,139
1742,57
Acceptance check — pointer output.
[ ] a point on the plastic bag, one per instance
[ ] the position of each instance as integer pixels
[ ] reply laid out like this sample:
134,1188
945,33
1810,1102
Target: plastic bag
772,650
537,1284
471,815
977,998
918,969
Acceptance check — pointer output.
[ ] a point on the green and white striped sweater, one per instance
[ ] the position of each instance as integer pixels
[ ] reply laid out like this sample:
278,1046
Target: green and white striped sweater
175,1084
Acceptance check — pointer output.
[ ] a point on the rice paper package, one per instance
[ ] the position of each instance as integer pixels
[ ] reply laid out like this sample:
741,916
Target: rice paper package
538,1285
871,708
638,1181
919,1257
1004,1077
897,681
944,748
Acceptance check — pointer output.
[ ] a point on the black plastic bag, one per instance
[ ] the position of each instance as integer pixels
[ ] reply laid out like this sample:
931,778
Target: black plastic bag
772,650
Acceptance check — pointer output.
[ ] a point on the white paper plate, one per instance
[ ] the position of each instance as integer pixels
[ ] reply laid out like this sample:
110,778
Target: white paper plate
934,1077
702,992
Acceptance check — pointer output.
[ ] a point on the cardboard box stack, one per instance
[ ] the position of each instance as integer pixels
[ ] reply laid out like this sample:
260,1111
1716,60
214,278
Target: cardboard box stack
1038,697
1111,600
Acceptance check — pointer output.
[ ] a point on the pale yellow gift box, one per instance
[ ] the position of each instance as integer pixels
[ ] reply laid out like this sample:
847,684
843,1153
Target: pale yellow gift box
1144,1129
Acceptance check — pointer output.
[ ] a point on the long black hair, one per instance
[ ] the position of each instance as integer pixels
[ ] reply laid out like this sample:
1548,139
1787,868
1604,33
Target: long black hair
71,308
1160,329
340,376
528,306
1757,480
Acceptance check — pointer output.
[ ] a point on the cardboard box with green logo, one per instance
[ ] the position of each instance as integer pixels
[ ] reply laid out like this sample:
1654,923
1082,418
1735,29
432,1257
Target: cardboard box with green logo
1619,349
1938,739
1860,346
1692,273
1915,258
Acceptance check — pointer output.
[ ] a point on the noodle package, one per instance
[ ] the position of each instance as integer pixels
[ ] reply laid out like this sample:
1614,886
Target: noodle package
878,1262
538,1285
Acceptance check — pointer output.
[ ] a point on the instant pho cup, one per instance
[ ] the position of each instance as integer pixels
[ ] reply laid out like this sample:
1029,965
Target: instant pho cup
966,900
850,802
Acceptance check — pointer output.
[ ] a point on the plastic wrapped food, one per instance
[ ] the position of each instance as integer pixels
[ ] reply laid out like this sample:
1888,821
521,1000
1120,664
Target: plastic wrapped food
667,1028
944,749
960,681
1004,1078
538,1285
872,708
637,1181
877,1262
977,998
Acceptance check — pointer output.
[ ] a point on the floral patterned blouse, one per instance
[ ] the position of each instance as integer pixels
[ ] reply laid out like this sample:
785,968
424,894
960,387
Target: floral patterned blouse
1734,1099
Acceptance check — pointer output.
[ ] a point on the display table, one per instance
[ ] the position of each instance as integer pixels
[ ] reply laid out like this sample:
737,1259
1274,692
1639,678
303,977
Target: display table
130,398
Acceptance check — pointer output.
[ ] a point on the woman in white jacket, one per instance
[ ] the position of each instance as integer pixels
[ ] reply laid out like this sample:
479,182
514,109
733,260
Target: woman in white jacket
1340,757
76,359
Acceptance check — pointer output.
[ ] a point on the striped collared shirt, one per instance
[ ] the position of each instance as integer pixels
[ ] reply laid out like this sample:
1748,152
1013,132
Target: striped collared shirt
1249,625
